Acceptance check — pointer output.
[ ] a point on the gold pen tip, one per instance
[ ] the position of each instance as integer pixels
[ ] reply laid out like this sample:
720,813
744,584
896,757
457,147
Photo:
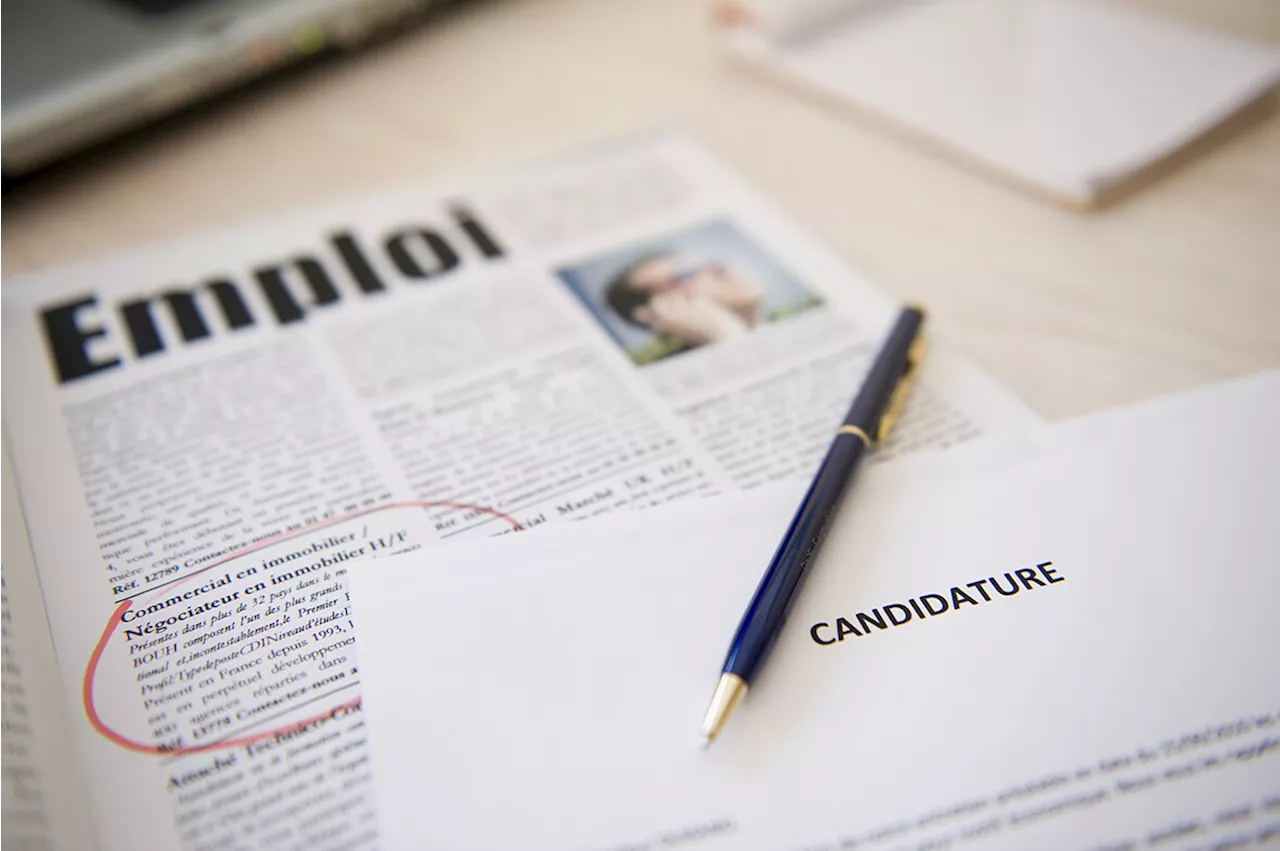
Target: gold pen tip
704,741
729,691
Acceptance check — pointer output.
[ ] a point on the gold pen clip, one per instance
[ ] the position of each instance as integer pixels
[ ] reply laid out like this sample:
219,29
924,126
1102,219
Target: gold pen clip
915,355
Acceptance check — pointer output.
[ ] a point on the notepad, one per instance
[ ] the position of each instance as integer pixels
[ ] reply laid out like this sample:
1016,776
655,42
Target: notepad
1074,99
1071,650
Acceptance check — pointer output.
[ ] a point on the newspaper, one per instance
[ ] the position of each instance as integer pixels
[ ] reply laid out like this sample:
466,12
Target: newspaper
205,433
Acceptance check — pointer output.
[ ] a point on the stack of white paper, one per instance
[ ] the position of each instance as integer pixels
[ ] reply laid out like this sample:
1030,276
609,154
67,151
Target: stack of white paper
1072,98
1071,650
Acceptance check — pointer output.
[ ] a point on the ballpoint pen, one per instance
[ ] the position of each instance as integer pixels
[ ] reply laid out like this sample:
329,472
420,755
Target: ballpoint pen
869,420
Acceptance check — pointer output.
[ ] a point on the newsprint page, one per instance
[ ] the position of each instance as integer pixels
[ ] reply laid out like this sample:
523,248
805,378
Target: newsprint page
204,434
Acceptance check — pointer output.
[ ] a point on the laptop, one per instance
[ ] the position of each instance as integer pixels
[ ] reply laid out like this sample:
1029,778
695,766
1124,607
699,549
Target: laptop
78,71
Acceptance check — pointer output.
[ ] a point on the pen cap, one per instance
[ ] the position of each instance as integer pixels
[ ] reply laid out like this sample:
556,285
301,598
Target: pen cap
889,380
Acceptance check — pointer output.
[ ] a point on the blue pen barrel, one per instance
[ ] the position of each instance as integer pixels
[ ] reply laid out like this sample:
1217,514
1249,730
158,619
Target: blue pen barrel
870,417
799,546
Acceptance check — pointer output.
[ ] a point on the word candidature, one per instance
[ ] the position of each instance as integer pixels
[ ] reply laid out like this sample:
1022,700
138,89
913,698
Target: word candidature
931,605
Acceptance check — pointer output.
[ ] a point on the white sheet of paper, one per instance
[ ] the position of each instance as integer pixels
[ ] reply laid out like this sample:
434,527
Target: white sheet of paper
545,690
1069,95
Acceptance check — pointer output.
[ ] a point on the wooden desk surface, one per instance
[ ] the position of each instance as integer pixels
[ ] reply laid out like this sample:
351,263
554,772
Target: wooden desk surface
1175,287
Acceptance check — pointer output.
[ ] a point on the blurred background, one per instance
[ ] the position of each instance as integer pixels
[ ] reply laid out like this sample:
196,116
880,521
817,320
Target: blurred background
127,121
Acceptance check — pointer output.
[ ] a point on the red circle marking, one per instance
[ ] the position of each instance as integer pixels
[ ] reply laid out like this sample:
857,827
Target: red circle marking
91,711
